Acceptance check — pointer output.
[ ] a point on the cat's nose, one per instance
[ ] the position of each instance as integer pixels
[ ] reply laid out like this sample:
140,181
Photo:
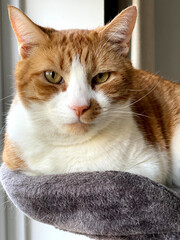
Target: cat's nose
79,110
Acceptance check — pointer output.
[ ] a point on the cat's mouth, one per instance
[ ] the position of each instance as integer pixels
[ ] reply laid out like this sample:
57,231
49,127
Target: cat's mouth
76,128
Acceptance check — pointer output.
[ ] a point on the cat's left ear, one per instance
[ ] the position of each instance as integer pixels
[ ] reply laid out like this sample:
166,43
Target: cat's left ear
28,34
119,30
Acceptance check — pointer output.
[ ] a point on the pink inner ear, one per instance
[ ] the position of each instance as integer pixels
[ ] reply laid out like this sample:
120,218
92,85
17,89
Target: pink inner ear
21,36
27,33
15,29
121,27
14,20
24,50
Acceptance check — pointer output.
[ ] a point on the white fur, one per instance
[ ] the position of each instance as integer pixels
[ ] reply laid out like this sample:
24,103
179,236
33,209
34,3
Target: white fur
175,149
79,91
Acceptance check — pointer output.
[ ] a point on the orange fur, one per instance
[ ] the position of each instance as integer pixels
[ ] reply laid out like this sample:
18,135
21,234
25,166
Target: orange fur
11,155
158,100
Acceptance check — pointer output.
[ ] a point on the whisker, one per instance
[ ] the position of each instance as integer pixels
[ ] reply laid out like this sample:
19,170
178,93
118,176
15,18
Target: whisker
151,90
115,110
139,163
4,98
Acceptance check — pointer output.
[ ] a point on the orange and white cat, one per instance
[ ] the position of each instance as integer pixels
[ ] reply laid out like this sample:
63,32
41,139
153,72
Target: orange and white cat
81,106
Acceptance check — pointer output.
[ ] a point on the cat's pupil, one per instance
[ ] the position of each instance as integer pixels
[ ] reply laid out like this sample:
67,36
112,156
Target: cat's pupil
100,75
53,74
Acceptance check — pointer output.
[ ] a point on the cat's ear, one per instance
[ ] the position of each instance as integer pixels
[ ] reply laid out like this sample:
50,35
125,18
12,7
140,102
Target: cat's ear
119,30
28,33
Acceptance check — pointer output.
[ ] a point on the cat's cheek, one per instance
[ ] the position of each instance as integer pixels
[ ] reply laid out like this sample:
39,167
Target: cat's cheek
103,100
60,119
59,112
92,113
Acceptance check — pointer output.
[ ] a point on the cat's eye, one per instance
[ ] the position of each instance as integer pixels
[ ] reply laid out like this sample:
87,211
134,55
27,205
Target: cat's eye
101,78
53,77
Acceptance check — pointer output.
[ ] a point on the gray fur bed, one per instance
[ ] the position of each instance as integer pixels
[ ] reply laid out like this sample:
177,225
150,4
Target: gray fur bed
101,205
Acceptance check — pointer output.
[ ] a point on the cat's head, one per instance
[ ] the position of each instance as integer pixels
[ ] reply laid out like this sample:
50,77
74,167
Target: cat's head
73,81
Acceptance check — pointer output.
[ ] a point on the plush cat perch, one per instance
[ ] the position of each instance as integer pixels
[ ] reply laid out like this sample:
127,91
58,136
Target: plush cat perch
100,205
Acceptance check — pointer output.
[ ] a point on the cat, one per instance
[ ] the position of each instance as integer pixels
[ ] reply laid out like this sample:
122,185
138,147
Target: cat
81,106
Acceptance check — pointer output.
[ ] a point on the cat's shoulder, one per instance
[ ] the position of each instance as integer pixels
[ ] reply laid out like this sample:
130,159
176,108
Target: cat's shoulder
153,84
156,104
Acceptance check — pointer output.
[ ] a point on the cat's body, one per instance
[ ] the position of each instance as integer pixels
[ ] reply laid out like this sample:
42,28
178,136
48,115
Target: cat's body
128,122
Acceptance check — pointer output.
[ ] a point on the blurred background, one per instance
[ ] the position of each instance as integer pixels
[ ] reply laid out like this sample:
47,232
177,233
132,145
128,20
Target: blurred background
154,47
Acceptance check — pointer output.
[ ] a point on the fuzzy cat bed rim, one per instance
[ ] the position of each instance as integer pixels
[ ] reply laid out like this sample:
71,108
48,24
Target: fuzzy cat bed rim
97,204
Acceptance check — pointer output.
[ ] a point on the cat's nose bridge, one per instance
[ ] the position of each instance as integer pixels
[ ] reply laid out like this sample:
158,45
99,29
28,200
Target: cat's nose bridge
78,97
79,91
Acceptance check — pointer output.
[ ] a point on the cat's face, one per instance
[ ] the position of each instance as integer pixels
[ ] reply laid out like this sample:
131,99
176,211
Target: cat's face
75,81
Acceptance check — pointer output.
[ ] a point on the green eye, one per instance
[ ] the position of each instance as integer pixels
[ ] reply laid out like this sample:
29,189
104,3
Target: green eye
101,78
53,77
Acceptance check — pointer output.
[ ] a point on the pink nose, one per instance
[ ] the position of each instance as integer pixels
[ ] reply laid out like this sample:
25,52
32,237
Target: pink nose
79,110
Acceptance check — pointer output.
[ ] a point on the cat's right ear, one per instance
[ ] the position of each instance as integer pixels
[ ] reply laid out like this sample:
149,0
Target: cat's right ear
119,30
27,33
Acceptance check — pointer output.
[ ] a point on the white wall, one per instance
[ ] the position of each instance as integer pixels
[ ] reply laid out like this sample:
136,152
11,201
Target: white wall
63,14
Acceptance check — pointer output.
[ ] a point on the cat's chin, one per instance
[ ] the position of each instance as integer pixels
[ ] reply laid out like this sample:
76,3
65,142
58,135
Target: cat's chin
77,128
